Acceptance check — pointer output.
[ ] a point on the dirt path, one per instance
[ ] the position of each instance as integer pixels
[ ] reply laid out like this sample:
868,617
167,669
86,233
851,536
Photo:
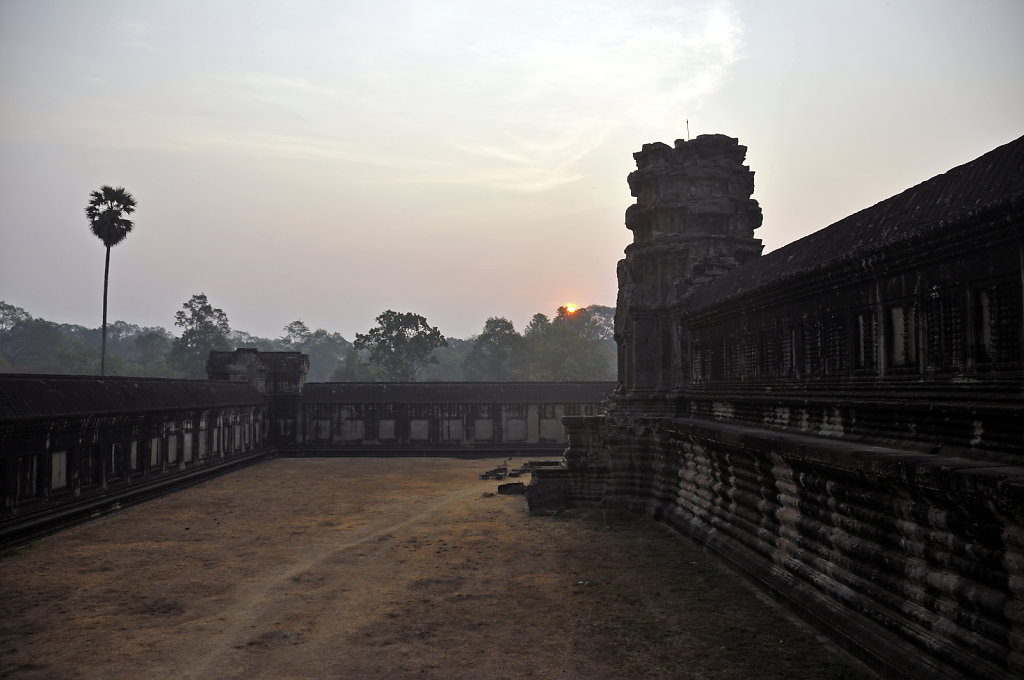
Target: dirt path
371,568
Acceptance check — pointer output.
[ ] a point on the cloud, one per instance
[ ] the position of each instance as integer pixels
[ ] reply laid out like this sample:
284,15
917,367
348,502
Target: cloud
531,105
514,96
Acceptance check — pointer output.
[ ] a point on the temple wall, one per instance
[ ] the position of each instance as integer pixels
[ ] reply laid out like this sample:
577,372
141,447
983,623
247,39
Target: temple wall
841,420
72,447
899,349
487,418
911,561
75,446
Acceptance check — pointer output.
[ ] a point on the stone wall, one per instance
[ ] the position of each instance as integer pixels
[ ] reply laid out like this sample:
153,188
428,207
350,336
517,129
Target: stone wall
75,446
72,447
840,420
438,418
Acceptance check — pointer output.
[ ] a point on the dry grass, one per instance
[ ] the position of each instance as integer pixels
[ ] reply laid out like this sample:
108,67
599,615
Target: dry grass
372,568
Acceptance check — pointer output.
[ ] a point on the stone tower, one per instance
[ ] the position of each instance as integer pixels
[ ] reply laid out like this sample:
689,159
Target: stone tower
693,220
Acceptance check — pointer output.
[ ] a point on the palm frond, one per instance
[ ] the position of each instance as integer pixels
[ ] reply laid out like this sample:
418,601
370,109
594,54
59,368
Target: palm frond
106,210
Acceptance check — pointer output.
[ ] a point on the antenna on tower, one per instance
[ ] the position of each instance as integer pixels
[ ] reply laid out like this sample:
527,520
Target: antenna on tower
687,129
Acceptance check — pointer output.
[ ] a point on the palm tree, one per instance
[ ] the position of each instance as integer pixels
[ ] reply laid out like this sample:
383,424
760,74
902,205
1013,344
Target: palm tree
106,212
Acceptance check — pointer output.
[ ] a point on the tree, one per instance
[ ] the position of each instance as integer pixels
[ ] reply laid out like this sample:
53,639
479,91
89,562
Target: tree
107,210
448,364
494,351
605,318
152,347
204,328
324,349
572,346
40,346
10,316
352,368
296,334
400,345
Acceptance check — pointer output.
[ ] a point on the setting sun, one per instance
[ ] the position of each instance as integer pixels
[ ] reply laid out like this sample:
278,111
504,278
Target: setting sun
571,308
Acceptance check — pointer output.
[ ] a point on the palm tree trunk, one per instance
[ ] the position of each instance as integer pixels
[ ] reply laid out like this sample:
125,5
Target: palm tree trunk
103,341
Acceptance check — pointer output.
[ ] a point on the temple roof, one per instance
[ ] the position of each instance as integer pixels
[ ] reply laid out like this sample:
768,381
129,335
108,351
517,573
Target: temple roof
459,392
993,180
48,396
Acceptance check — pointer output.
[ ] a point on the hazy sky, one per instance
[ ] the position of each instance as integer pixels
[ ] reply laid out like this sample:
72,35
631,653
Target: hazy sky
459,159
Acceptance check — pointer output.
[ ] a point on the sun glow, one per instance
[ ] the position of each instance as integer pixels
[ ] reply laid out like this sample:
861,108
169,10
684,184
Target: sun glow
571,308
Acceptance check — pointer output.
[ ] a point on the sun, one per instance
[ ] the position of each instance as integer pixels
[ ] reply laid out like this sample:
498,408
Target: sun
571,308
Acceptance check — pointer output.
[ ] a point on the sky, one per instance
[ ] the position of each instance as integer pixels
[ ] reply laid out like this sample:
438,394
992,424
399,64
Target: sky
460,159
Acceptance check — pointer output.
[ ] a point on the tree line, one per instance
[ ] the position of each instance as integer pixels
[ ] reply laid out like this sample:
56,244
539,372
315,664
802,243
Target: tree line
401,346
574,345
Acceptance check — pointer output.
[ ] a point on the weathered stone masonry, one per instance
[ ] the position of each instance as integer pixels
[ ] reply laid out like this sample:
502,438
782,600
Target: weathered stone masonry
842,420
72,447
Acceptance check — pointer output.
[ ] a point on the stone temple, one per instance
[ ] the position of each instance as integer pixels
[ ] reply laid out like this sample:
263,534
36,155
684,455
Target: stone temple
841,420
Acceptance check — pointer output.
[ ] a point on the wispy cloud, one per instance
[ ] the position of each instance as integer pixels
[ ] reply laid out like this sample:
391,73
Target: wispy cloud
515,96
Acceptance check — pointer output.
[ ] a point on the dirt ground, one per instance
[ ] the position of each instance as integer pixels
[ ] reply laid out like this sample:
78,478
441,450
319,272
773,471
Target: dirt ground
374,568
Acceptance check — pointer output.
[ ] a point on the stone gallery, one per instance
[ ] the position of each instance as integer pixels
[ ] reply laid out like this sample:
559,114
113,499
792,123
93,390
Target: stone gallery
841,420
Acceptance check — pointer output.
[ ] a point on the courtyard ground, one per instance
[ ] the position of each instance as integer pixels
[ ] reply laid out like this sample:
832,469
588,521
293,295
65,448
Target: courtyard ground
351,568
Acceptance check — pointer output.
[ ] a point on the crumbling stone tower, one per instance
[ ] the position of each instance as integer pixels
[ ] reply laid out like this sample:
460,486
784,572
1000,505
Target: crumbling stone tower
693,220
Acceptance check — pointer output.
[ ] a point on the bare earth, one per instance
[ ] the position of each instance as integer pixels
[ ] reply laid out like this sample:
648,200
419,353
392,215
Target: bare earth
374,568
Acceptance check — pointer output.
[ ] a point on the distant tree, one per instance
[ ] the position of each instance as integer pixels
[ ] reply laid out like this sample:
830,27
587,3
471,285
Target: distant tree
40,346
296,333
107,210
324,348
572,346
590,349
152,348
494,351
10,316
605,318
448,364
237,338
400,345
353,367
204,328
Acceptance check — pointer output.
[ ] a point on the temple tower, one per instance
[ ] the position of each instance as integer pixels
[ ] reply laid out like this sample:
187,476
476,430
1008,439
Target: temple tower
693,220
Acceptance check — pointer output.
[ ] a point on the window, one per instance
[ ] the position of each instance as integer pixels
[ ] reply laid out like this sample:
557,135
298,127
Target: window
750,354
787,349
766,352
734,360
944,335
452,429
717,352
834,346
58,470
901,337
865,357
698,355
997,318
27,477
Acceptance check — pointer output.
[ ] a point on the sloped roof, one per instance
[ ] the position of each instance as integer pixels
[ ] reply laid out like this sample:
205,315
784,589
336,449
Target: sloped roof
458,392
995,179
25,396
